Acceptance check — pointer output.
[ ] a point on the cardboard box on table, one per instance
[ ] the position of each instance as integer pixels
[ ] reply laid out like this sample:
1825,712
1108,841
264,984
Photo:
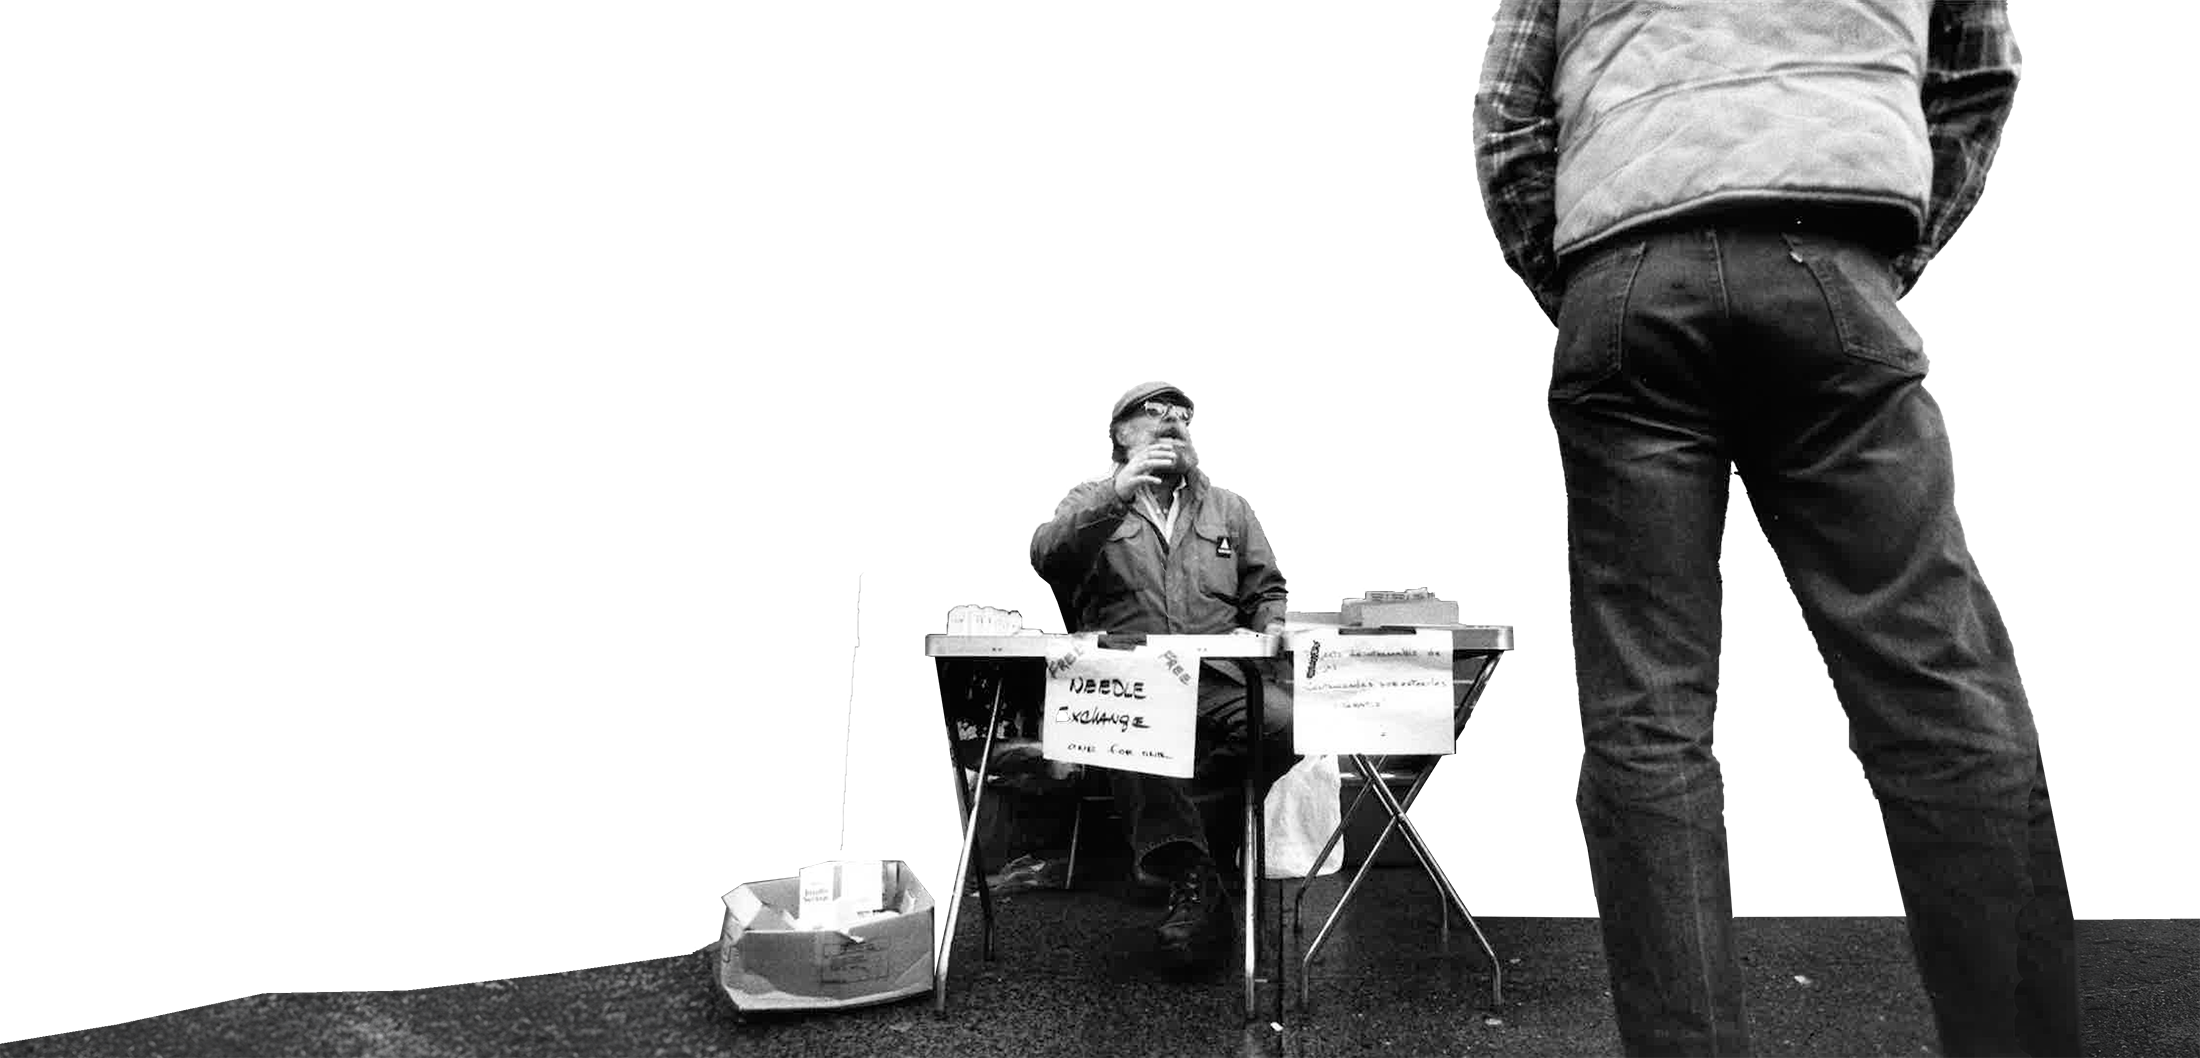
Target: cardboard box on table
769,961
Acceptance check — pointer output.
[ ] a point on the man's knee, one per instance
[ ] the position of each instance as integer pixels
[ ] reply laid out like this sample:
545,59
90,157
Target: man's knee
1275,710
1226,704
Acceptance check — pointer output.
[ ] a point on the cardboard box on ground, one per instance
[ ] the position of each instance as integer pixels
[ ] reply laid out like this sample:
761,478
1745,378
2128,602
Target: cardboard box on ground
841,934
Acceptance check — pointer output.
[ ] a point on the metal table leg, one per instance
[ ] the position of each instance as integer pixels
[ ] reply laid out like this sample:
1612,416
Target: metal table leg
1336,913
1298,902
973,799
1254,852
1405,826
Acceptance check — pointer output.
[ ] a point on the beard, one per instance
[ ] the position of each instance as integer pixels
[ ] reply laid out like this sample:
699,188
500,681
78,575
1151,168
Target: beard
1186,457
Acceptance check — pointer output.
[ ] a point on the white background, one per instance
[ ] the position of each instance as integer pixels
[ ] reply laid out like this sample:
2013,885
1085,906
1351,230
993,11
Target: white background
439,443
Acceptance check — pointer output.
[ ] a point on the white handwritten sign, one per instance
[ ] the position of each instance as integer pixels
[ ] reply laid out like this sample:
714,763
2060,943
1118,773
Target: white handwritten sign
1372,693
1127,709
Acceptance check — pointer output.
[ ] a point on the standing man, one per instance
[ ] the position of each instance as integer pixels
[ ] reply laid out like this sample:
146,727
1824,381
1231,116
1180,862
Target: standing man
1155,547
1718,203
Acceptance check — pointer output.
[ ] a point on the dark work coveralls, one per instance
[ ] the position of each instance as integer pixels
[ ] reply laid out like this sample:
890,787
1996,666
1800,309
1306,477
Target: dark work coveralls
1112,571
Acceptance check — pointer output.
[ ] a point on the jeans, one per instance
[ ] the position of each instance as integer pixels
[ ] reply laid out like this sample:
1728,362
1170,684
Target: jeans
1166,832
1774,352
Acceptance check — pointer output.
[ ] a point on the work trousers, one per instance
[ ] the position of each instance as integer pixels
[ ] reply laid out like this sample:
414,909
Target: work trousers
1160,818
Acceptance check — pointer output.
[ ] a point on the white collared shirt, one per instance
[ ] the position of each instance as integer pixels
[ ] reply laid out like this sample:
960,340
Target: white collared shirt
1163,519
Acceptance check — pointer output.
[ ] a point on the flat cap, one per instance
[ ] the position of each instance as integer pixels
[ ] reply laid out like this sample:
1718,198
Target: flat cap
1143,392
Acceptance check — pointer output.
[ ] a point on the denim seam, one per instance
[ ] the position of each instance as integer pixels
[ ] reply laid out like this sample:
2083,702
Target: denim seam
1626,294
1718,275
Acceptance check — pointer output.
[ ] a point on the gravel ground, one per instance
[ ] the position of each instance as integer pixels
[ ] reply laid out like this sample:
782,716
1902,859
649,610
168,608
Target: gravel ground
1071,977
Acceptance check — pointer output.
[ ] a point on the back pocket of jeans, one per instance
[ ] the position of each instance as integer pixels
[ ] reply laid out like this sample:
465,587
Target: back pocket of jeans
1859,287
1589,322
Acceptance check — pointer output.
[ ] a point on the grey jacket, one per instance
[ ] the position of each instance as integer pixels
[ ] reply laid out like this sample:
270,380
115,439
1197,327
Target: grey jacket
1112,572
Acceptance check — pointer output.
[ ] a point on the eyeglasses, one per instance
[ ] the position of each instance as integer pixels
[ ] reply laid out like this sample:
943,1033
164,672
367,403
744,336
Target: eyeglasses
1161,409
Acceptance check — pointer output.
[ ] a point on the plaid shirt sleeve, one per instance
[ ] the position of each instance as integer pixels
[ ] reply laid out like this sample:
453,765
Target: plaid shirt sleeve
1516,142
1971,70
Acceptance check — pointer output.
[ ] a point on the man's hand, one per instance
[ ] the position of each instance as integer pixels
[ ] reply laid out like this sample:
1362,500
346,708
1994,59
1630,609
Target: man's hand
1145,464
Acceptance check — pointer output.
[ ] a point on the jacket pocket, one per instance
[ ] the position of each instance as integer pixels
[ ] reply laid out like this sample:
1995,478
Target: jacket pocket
1215,558
1122,565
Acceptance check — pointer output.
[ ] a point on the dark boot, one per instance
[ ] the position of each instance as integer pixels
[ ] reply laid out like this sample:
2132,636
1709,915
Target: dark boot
1198,922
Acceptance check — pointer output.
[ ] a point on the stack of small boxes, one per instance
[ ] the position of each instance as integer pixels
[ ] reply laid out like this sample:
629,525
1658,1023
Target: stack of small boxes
971,619
1414,606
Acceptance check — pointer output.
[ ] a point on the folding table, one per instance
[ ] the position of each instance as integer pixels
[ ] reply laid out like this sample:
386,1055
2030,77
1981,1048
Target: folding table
1476,650
951,652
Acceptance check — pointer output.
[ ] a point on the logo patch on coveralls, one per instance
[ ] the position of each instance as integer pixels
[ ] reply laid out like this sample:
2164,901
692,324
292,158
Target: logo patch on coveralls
1222,548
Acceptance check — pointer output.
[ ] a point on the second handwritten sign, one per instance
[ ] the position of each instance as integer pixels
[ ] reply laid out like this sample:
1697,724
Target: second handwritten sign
1373,693
1127,709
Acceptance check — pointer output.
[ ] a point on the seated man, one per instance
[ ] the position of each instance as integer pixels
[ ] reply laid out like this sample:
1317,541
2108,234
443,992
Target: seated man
1154,547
